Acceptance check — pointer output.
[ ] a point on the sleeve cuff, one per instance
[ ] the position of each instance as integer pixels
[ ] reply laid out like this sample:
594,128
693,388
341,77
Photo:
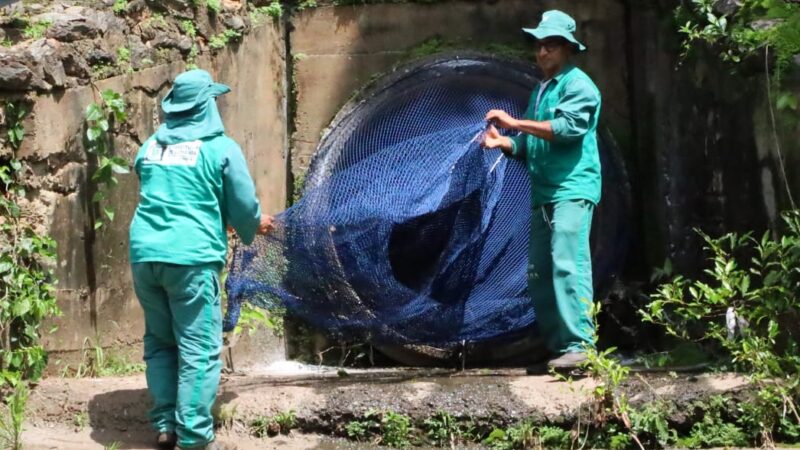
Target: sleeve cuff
514,148
559,127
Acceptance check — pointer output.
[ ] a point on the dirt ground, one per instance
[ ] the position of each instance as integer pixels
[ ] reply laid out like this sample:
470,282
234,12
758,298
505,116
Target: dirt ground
94,413
55,437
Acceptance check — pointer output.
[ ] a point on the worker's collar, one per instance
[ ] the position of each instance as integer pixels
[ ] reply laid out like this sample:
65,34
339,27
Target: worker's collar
562,73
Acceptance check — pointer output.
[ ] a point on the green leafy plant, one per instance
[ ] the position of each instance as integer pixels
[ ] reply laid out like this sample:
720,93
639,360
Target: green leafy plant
305,4
746,309
95,362
517,437
188,28
281,423
554,437
102,71
219,41
15,115
123,55
750,26
286,421
611,402
6,43
620,441
390,428
27,285
713,431
157,19
650,422
442,429
191,58
120,6
80,419
273,10
37,29
298,182
12,417
360,430
252,319
214,6
395,429
101,118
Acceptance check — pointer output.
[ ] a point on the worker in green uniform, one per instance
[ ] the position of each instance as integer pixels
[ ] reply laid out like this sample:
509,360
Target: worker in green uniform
194,184
557,142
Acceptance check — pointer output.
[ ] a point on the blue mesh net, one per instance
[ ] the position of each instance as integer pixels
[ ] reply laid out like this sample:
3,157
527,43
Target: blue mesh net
408,231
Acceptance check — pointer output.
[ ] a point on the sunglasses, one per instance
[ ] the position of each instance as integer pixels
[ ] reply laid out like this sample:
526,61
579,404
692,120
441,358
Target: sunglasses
549,44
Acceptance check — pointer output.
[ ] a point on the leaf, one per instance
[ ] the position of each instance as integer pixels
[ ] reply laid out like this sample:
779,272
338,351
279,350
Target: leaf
771,278
16,135
103,174
94,112
93,133
20,307
119,165
787,100
99,196
109,213
98,224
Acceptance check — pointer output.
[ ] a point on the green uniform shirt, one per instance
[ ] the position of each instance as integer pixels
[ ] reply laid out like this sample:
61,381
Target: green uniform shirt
190,192
568,168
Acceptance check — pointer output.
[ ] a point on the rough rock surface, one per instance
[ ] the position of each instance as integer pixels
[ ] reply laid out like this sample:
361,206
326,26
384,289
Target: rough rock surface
78,43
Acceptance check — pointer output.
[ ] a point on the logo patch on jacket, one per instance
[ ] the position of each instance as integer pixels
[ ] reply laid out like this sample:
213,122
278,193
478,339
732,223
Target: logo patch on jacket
181,154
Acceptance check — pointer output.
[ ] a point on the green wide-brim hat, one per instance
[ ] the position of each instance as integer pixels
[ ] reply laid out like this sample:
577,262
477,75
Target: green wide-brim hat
556,24
191,89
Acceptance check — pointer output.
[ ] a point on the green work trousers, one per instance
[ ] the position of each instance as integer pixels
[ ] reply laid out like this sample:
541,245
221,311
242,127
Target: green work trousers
560,274
182,344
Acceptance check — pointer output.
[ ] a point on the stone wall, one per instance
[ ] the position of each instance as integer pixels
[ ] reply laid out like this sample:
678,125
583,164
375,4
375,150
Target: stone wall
94,284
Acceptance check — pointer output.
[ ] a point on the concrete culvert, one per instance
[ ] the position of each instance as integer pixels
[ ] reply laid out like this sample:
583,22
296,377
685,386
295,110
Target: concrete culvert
410,235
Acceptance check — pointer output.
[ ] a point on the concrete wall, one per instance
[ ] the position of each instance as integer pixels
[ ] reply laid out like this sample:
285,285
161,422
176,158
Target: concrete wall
700,157
94,289
337,49
780,185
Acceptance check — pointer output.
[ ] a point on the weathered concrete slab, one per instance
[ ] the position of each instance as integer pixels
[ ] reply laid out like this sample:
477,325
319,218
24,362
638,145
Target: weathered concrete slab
255,111
324,402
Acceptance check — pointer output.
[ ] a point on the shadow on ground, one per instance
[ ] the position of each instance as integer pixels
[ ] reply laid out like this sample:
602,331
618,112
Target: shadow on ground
130,407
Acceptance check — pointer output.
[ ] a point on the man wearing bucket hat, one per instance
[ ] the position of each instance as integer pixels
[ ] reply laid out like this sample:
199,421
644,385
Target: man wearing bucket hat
194,183
558,144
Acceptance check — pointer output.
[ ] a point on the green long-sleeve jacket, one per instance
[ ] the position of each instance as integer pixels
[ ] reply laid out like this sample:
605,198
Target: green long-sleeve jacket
194,182
568,168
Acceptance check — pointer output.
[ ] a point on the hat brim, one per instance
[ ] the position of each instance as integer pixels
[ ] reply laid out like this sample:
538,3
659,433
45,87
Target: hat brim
169,106
545,32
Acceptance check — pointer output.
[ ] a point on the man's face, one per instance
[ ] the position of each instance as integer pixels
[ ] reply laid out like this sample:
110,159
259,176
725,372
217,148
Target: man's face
552,53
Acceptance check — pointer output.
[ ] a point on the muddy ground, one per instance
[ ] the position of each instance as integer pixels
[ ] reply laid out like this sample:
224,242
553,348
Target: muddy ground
93,413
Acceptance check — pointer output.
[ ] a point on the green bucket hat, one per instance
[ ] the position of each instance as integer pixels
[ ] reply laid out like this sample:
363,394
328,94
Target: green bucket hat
191,89
556,23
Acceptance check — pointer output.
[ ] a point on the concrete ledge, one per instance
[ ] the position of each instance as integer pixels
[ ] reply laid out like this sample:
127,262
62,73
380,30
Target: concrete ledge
325,402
